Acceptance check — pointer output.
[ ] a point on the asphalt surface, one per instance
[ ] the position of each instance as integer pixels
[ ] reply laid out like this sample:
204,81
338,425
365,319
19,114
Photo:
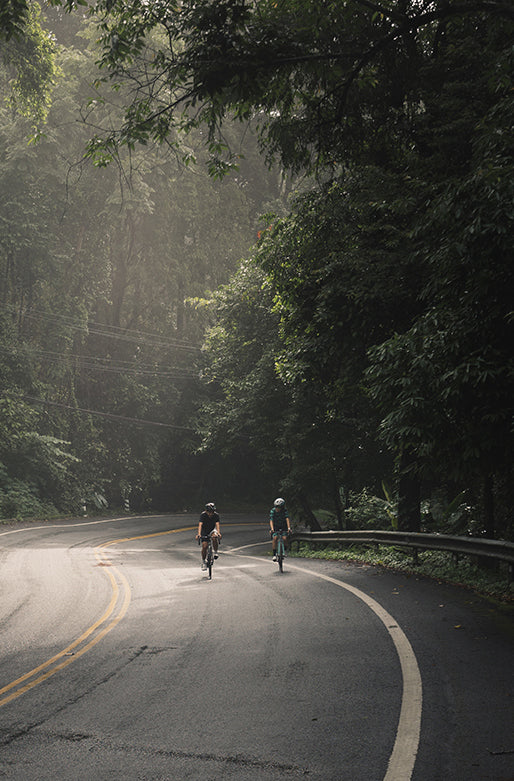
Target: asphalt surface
120,659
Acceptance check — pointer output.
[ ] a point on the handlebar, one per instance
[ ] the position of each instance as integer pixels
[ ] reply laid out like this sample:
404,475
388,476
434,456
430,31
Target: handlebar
207,537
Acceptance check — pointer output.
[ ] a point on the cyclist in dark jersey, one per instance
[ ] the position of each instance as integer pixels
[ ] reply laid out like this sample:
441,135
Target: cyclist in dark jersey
279,522
209,525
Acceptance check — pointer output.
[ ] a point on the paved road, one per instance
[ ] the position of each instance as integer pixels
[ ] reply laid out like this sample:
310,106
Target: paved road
119,659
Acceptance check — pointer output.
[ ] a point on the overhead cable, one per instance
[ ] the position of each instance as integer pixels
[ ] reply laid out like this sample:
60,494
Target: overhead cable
109,415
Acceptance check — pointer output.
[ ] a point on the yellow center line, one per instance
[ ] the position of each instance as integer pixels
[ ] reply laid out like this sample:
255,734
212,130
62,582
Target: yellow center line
68,648
74,655
144,536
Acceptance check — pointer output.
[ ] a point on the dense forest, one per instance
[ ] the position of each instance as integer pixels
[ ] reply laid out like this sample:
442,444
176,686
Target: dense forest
251,249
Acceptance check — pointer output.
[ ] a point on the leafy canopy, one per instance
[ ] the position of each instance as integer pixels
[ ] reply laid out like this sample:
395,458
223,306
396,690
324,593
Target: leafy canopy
318,73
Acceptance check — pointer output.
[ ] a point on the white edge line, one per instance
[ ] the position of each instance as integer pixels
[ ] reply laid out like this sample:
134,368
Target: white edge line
405,749
403,757
81,523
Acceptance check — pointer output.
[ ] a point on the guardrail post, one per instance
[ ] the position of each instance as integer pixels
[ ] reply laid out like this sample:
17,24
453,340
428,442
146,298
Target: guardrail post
415,560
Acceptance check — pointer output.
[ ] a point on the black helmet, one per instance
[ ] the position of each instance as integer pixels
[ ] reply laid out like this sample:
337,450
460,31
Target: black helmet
279,502
210,507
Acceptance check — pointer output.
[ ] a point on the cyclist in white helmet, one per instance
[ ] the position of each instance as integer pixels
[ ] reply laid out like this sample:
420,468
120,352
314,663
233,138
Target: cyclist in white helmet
209,525
279,522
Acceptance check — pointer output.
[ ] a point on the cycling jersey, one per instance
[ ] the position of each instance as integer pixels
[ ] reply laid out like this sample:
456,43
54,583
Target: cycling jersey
208,522
278,519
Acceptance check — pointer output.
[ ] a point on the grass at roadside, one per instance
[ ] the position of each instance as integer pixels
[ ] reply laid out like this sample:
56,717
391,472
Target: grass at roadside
438,565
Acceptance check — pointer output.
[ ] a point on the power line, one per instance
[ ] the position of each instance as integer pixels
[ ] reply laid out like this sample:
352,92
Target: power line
115,366
110,415
110,331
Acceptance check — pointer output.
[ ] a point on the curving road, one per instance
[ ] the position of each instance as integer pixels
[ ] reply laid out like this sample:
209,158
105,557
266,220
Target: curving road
119,659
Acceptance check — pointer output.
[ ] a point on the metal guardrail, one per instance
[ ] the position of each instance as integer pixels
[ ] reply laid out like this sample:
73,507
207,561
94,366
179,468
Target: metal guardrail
459,546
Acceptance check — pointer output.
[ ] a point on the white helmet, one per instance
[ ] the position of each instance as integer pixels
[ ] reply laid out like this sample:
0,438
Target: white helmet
279,502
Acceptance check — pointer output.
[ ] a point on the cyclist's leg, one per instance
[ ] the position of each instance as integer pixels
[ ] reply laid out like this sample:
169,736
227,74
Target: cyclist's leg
279,535
204,552
284,540
215,543
280,551
210,556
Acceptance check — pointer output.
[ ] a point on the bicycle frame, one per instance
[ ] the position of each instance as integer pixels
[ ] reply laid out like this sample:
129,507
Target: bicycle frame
280,550
209,557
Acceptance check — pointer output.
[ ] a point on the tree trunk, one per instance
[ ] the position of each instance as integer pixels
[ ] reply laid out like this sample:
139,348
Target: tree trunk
488,499
338,504
311,519
409,495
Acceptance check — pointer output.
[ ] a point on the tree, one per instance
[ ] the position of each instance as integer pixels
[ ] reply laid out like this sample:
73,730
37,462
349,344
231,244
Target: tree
342,267
97,265
28,57
392,102
446,384
334,81
243,412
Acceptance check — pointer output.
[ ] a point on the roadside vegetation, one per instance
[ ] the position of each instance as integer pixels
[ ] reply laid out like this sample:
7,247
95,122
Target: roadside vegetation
437,565
259,249
487,578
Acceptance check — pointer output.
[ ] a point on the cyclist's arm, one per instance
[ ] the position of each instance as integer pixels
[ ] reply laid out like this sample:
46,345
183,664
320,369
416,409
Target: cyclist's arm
288,523
199,533
218,529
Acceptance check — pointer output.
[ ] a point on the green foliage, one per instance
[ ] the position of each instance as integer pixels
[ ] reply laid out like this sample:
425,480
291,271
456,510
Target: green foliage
248,401
30,61
19,500
13,16
331,82
35,468
100,343
252,402
391,281
370,512
446,383
449,517
368,336
343,274
437,565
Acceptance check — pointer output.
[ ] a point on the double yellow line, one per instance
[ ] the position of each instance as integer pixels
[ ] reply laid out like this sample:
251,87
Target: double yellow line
117,608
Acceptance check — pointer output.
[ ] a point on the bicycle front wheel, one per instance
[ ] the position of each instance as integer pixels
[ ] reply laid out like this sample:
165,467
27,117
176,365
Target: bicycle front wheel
280,554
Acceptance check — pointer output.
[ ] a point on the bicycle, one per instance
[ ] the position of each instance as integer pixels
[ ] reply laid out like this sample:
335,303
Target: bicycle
280,551
210,555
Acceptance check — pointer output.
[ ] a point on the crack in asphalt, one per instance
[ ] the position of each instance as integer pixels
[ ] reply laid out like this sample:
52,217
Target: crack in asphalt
237,760
8,737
